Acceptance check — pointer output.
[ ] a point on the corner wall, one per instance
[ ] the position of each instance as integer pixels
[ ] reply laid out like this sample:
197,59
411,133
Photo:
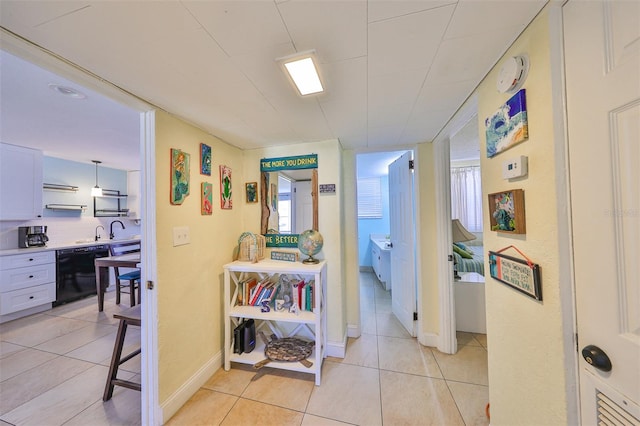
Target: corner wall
330,223
189,277
529,347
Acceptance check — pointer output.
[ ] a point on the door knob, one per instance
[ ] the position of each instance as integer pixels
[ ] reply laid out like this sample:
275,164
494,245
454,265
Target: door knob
596,357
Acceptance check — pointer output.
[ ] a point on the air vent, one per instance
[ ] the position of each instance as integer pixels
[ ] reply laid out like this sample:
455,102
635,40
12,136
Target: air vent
610,413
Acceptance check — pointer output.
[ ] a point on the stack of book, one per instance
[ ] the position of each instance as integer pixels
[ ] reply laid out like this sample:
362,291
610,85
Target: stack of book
254,292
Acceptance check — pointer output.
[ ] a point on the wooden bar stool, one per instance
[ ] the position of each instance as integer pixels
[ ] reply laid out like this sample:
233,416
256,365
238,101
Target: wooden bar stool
128,317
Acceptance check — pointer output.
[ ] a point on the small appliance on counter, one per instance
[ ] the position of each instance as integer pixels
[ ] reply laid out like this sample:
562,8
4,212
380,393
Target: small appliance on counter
32,236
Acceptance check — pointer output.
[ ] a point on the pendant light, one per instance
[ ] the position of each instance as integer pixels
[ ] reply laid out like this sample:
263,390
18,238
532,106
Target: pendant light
96,191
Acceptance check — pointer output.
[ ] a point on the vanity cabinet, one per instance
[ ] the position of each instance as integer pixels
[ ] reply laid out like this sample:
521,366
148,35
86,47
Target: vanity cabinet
309,325
27,284
381,263
20,183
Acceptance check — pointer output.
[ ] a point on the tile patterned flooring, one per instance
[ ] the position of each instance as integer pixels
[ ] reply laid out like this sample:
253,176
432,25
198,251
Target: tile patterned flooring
386,378
53,368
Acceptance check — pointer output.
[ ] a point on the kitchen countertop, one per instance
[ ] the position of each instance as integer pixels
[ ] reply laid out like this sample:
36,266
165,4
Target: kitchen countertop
60,246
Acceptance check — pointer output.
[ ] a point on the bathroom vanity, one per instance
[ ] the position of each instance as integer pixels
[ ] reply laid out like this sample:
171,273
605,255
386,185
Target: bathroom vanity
381,260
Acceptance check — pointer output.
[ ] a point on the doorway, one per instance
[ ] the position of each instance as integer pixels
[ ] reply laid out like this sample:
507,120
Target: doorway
375,226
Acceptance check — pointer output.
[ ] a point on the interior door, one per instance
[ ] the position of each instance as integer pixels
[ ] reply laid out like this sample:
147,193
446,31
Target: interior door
403,286
602,48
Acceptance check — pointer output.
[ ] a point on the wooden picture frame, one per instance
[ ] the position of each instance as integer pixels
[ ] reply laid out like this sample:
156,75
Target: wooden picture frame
507,212
180,179
206,207
251,191
226,201
205,159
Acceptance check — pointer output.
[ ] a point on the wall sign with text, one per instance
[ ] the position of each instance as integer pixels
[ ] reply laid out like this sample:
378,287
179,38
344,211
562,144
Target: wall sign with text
523,275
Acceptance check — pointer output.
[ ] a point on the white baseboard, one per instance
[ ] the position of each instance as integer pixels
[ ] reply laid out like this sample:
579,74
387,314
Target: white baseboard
429,339
190,387
353,331
337,349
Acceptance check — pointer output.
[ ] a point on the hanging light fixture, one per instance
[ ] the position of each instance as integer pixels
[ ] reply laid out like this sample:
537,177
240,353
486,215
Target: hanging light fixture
96,191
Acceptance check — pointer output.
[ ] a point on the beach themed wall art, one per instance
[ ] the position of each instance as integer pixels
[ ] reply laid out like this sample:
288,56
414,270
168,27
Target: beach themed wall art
507,211
179,176
207,199
508,126
225,188
205,159
252,192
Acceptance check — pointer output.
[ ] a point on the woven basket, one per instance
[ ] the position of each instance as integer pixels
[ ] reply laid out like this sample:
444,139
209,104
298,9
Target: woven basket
252,247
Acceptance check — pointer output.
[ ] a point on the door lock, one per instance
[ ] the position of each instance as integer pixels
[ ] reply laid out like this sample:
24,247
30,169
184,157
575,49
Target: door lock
596,357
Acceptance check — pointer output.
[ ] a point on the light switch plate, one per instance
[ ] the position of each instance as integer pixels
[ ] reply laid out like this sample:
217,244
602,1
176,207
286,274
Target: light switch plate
515,167
181,236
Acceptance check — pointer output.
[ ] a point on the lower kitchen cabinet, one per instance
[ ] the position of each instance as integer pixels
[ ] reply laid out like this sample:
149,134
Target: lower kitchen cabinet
27,284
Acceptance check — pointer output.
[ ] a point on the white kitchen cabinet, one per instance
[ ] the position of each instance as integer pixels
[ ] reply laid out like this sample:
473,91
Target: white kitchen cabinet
27,284
381,262
20,183
309,324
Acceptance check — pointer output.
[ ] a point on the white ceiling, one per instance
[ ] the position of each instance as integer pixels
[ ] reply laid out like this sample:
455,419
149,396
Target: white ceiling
395,72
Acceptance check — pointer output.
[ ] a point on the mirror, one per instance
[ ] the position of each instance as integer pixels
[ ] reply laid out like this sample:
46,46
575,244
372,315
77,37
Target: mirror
289,194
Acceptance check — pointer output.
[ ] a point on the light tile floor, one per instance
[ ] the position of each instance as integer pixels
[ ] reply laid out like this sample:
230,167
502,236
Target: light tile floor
386,378
53,368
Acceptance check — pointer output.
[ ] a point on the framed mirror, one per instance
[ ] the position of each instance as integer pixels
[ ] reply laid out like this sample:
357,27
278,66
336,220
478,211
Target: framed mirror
288,198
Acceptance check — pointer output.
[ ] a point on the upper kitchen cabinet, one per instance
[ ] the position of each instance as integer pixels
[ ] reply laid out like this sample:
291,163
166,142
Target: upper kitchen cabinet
20,183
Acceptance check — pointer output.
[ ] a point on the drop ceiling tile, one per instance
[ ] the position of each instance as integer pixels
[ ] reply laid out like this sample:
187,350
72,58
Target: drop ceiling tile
495,15
407,42
335,29
379,10
419,129
395,88
240,27
481,52
396,114
33,13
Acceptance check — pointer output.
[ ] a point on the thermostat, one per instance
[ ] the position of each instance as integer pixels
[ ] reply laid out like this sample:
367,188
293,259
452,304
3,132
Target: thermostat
515,168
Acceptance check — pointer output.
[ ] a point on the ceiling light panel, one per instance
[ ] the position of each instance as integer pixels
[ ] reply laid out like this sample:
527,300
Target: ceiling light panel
304,75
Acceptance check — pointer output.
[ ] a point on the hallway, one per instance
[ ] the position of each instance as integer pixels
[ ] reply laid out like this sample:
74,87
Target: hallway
385,378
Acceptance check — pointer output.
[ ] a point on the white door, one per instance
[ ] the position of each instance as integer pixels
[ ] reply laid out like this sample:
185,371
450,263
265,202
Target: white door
303,206
403,290
602,48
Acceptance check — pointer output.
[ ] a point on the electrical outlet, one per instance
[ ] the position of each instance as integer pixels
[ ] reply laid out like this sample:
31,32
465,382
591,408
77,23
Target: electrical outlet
181,236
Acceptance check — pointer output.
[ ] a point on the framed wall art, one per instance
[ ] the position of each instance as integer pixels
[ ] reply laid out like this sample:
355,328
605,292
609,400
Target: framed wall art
179,176
226,202
205,159
206,208
507,211
520,274
251,189
508,126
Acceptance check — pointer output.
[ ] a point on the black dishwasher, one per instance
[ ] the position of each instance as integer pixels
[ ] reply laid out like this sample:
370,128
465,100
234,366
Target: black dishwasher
76,272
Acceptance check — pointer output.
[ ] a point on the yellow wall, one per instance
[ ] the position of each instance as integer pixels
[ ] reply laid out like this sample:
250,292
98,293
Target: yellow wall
329,217
527,353
189,277
350,241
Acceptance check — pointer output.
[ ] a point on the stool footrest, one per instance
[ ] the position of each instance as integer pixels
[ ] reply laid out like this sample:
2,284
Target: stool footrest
127,384
128,357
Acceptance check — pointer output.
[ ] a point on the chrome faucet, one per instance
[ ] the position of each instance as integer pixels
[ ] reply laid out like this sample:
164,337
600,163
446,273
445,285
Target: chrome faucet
111,228
98,236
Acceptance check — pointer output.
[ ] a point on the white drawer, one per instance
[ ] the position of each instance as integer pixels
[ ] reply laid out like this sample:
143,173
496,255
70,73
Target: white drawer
18,278
27,259
18,300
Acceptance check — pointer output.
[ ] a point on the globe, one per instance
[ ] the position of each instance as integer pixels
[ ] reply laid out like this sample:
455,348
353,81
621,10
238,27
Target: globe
310,243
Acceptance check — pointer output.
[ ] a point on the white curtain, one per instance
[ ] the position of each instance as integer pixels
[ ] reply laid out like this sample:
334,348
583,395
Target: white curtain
466,197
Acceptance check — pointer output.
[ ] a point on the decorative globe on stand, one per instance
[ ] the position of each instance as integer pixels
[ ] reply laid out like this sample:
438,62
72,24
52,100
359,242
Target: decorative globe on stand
310,243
